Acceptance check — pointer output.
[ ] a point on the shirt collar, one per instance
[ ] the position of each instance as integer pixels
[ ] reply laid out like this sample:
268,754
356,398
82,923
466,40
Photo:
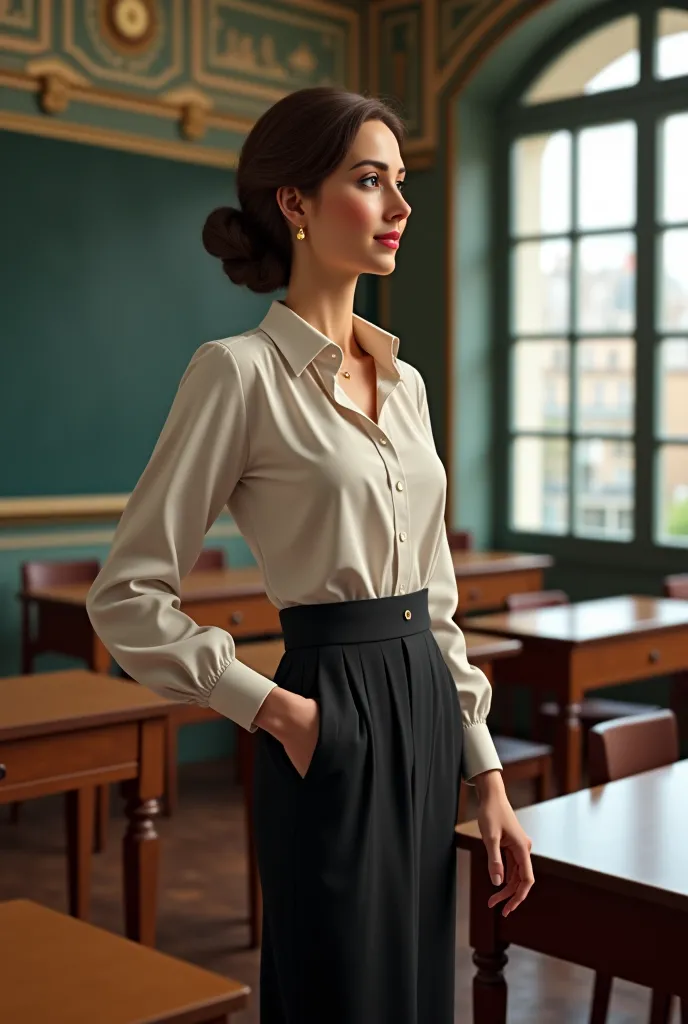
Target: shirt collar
300,343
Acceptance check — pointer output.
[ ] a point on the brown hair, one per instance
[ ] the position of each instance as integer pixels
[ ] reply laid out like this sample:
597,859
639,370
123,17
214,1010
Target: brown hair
299,141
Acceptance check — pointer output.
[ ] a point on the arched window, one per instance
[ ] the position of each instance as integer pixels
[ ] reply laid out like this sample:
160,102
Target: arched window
592,309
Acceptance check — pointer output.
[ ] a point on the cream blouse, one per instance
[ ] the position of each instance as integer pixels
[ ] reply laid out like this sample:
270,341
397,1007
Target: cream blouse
333,506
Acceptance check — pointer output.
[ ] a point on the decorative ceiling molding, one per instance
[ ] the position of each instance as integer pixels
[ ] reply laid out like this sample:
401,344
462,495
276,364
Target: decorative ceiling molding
420,49
184,79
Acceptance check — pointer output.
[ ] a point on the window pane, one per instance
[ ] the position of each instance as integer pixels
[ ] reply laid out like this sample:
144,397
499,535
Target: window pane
605,59
540,377
673,287
674,152
606,176
604,489
542,286
605,397
671,54
542,184
673,494
673,388
606,283
540,498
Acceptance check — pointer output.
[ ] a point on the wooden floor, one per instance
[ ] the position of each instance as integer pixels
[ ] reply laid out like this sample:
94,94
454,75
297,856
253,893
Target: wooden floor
202,906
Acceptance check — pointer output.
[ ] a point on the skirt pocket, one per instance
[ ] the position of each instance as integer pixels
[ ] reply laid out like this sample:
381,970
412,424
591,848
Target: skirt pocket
299,675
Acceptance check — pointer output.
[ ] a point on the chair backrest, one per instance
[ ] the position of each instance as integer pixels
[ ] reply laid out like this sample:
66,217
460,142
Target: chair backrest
676,586
626,746
53,573
460,540
209,558
535,599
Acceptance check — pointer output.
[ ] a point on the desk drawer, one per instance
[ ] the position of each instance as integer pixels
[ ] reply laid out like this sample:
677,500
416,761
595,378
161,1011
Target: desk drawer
624,659
53,759
481,593
251,616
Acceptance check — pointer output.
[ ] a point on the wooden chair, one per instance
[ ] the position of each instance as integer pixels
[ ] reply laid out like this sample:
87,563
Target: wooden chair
36,639
616,750
210,558
521,759
593,710
460,540
676,586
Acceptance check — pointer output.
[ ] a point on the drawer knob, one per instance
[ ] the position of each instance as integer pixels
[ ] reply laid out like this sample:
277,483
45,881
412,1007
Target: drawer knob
654,656
473,593
3,772
237,617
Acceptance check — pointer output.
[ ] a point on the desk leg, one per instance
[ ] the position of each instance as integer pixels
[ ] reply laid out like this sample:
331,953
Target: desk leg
567,748
140,846
245,759
80,807
489,951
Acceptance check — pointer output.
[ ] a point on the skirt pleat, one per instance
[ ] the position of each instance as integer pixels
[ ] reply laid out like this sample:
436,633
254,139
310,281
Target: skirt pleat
357,858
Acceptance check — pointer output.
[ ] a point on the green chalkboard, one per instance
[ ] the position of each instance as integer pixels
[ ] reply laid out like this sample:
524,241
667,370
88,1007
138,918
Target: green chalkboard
105,293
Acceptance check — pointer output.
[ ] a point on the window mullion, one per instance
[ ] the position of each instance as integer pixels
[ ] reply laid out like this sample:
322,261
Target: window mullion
646,300
573,326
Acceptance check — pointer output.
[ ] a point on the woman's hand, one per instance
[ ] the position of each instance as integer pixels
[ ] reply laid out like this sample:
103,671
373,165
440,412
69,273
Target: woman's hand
500,829
294,721
300,739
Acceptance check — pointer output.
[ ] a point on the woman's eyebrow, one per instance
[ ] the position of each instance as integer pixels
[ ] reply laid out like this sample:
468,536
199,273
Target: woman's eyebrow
377,163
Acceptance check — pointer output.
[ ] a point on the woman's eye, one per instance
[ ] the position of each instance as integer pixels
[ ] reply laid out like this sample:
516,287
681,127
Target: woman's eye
375,178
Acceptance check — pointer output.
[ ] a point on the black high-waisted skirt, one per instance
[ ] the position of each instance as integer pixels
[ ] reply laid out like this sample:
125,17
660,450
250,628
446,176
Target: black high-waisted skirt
357,858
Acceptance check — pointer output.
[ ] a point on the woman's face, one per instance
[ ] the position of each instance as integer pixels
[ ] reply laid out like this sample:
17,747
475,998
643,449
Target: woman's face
357,204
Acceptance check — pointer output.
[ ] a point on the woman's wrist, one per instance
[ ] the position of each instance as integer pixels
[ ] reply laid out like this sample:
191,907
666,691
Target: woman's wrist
276,713
488,784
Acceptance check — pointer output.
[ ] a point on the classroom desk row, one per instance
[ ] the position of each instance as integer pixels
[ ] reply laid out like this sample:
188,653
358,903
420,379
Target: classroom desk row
566,651
73,730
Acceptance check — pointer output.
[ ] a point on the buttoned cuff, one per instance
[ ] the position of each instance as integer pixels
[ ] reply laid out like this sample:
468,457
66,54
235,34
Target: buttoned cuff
239,693
479,752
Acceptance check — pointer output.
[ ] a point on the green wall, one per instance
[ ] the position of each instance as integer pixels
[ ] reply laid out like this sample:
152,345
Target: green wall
105,293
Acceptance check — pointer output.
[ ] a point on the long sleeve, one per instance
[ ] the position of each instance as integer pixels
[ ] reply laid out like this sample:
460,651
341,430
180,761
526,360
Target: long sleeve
134,603
473,686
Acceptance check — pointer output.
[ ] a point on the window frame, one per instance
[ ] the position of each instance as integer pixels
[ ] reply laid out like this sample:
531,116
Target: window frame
646,103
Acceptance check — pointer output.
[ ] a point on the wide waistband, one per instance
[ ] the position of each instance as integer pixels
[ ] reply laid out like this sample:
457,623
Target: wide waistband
355,622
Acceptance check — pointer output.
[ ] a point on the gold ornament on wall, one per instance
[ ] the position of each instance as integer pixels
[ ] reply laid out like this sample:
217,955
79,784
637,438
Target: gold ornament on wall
194,122
54,94
130,24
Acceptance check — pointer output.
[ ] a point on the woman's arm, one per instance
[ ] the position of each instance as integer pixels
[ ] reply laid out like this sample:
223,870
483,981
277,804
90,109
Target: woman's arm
134,603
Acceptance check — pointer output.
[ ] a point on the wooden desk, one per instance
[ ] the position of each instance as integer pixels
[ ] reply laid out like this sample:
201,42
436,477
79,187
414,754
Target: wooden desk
265,657
486,578
235,600
570,649
55,969
67,732
610,893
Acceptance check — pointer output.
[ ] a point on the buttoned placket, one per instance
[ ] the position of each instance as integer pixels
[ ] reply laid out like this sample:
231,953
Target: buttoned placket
395,473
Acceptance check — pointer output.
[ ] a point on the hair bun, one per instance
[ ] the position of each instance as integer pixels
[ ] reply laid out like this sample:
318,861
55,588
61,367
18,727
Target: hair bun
231,236
225,234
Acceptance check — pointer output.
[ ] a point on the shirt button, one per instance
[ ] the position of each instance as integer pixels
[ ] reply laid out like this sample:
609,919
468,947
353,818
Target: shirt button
334,355
407,614
400,485
402,535
383,440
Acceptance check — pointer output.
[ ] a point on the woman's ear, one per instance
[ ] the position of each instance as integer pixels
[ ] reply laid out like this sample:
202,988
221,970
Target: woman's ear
291,204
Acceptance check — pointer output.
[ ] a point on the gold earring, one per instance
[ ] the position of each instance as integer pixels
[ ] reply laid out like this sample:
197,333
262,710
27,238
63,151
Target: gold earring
300,234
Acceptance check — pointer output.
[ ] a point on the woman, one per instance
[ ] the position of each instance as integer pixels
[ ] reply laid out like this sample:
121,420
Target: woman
318,439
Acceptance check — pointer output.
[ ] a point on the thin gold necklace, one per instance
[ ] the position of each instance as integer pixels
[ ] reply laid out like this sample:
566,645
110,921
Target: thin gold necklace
345,373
